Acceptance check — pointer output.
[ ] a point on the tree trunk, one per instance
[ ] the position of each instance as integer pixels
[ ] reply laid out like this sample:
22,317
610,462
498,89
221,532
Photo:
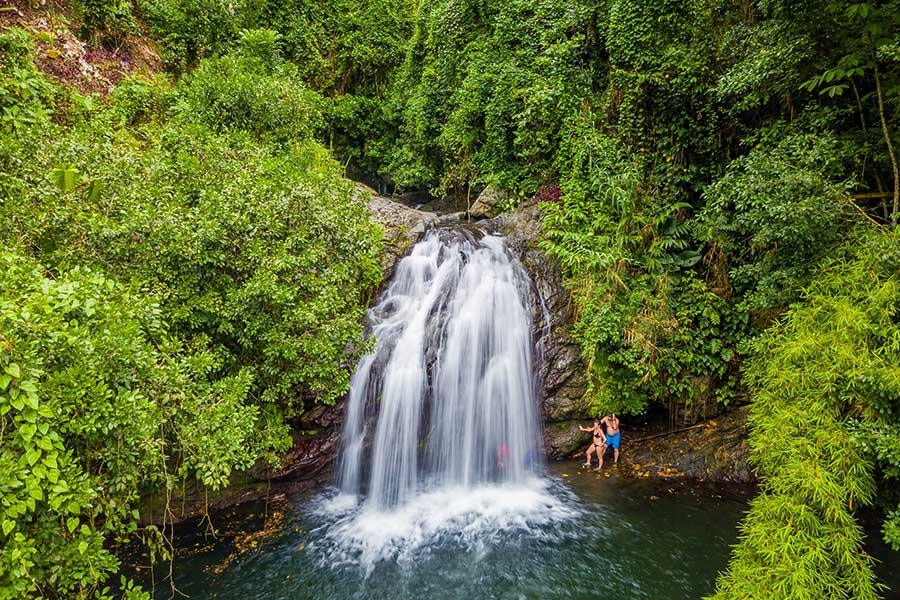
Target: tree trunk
887,139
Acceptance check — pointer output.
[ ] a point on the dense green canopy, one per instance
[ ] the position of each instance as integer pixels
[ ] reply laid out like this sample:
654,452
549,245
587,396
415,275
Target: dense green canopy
185,266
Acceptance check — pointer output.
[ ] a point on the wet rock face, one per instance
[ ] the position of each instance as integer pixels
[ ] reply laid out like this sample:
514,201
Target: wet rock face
562,370
402,224
558,357
563,438
317,439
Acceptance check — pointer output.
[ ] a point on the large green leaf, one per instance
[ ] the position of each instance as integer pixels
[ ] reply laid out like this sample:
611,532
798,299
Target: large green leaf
65,177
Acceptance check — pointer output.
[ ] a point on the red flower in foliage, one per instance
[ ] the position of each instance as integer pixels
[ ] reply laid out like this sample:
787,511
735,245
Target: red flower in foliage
548,193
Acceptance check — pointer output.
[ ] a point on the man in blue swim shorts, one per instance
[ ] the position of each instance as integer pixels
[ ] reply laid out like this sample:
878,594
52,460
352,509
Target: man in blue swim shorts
613,436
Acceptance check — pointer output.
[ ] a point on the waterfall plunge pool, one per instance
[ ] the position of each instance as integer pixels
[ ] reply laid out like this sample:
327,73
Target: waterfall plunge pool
570,534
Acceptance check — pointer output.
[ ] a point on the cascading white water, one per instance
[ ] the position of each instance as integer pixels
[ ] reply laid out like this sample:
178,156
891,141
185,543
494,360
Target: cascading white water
449,386
442,413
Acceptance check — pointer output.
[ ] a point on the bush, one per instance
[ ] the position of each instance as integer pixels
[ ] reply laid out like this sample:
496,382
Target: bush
825,383
106,21
137,100
774,235
263,45
171,294
263,255
96,402
485,92
25,96
239,93
194,29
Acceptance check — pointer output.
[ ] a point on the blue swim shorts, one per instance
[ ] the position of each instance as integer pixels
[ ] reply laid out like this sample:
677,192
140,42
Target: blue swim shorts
613,440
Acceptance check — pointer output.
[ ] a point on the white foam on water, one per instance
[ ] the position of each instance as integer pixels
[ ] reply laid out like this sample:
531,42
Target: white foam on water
337,505
468,517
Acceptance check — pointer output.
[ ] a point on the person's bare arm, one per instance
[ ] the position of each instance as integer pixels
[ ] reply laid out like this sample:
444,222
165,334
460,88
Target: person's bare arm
585,428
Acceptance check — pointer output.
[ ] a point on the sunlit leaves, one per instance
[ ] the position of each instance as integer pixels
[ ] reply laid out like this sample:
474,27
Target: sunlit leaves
832,358
65,177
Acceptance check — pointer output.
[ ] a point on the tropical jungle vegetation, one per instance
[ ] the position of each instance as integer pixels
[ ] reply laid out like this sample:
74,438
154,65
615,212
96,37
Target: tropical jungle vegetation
185,261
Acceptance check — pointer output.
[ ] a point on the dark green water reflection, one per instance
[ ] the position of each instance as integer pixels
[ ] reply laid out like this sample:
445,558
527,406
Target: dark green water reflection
630,539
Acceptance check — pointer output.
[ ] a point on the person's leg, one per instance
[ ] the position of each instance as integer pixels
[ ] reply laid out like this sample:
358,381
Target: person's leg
600,452
587,455
615,456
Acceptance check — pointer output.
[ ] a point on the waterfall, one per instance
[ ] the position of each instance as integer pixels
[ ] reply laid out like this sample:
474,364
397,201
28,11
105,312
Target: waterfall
446,397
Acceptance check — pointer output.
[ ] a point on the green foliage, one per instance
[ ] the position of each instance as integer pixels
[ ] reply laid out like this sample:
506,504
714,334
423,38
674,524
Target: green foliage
137,100
765,63
662,58
95,401
239,93
260,253
825,383
192,29
704,154
650,330
185,270
486,90
25,96
334,44
774,235
344,49
107,21
263,45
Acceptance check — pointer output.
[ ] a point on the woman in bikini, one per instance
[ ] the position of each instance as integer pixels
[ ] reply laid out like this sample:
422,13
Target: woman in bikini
598,443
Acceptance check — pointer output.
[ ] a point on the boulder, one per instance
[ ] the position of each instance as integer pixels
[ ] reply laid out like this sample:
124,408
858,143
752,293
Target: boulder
489,204
563,438
402,225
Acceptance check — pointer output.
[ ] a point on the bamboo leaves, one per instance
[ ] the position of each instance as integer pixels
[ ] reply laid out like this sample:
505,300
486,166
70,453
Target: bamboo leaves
831,359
